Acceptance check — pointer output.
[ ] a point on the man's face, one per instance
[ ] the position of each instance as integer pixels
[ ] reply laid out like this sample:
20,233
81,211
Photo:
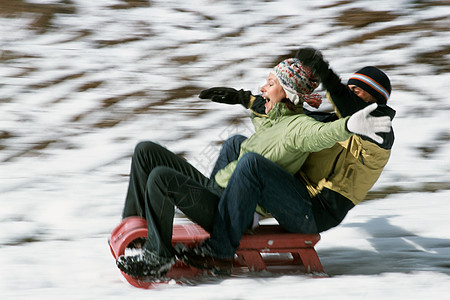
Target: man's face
362,93
272,92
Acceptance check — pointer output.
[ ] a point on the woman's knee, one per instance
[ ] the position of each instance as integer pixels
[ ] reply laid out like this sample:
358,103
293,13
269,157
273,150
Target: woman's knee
146,146
159,175
148,151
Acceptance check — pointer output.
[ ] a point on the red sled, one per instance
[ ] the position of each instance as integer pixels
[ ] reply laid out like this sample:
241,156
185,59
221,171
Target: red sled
268,248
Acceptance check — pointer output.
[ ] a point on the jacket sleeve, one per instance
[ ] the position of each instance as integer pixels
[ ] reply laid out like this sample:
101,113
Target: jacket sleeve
345,102
257,105
308,135
258,109
349,104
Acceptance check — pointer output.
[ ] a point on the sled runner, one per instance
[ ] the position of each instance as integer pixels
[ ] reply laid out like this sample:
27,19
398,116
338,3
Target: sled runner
269,248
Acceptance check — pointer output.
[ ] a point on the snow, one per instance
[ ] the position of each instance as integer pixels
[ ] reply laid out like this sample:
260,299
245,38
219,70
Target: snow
77,96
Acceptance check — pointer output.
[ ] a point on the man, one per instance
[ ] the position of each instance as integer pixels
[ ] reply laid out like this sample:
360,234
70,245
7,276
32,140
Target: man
340,177
333,180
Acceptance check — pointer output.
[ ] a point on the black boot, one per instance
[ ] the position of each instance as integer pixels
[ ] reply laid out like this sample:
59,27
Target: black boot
202,257
145,263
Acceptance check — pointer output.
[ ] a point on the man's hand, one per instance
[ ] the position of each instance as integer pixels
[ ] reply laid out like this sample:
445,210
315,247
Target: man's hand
227,95
363,123
313,59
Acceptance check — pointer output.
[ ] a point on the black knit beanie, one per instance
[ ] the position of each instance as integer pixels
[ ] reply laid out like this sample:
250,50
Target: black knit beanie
374,81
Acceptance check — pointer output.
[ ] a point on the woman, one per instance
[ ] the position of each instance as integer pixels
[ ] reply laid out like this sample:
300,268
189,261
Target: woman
160,180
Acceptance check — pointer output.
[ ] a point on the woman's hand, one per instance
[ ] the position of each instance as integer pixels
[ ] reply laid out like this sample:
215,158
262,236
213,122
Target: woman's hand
227,95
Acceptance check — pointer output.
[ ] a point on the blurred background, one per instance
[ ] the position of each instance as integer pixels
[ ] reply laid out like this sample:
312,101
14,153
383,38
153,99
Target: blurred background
82,82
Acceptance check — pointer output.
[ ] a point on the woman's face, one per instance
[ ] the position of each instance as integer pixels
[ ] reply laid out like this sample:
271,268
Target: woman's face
362,93
272,92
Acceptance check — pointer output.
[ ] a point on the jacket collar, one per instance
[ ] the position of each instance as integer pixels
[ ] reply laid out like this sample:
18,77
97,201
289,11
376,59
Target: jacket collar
280,110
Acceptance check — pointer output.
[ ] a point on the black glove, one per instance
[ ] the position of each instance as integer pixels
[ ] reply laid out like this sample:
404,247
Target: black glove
227,95
313,58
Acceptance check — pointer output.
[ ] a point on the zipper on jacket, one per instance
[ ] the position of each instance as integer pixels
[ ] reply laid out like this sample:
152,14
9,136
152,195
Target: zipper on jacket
328,178
361,157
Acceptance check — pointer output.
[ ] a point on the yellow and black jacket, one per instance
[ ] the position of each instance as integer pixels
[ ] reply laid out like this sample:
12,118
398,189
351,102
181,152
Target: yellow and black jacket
338,178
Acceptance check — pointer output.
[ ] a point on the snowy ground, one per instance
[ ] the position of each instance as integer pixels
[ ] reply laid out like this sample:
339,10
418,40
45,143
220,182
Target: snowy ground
81,82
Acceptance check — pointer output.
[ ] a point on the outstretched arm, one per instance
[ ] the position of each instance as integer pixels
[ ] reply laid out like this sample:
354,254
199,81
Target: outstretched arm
313,136
227,95
345,101
232,96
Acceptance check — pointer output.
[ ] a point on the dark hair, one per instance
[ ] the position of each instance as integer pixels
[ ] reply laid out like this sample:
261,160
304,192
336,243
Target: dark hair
288,103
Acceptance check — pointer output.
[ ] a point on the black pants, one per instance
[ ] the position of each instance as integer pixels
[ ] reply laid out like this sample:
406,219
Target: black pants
161,180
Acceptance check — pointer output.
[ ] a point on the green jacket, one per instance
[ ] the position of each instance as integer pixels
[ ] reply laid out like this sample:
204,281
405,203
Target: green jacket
286,138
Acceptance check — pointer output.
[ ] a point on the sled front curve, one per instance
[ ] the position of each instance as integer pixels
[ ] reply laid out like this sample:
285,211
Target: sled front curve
132,228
